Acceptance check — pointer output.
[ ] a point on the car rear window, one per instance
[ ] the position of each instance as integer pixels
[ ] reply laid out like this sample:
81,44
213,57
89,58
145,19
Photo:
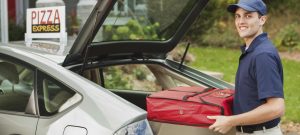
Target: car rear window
153,20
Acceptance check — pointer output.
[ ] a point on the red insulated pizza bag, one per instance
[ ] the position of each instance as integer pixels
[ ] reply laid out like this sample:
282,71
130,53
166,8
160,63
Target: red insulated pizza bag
189,105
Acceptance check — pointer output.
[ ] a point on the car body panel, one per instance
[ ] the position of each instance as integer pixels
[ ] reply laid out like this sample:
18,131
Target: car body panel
12,124
98,108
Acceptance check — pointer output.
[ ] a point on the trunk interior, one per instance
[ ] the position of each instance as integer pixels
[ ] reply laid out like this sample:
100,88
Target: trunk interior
136,95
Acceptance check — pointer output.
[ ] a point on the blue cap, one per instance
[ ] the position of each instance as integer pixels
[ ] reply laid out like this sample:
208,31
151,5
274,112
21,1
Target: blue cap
249,5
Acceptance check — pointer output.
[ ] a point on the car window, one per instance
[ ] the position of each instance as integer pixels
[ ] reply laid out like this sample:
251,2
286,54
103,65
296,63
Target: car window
167,78
141,77
130,77
54,96
15,90
133,20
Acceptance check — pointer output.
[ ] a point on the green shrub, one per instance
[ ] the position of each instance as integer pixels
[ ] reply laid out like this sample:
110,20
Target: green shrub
221,34
139,74
213,11
116,79
132,30
288,37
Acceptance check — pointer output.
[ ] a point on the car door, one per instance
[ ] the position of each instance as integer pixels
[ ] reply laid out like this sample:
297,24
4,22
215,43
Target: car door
17,106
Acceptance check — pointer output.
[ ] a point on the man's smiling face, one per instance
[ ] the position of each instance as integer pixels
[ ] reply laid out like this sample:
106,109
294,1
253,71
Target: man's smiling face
248,24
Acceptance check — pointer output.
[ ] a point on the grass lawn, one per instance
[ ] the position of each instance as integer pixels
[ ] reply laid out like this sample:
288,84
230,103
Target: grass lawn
226,61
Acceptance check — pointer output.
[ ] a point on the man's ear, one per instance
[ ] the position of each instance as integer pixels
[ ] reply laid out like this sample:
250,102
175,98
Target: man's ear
262,20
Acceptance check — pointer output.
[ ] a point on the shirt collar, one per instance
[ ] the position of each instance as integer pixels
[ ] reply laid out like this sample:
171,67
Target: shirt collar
260,38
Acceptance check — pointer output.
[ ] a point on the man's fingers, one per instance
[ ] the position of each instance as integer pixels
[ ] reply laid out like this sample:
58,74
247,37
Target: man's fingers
216,129
212,117
211,127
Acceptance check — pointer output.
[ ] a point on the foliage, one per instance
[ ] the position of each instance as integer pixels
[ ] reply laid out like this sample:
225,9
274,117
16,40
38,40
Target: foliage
213,14
226,61
165,12
218,26
279,7
288,37
207,31
116,79
132,30
130,77
139,74
223,36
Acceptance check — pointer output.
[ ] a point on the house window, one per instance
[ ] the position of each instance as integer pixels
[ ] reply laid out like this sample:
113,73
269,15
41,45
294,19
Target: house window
121,8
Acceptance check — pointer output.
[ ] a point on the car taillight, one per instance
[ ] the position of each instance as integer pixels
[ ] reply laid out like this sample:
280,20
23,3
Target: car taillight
137,128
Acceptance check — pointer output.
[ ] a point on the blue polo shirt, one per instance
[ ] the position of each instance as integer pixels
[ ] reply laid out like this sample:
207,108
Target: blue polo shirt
259,76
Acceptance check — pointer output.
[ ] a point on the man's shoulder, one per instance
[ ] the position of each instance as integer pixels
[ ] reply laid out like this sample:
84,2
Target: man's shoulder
266,47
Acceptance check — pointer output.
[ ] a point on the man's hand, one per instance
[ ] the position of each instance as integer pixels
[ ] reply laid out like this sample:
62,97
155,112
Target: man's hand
222,124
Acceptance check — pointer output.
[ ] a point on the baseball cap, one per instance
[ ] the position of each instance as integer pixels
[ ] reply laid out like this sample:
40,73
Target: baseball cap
249,5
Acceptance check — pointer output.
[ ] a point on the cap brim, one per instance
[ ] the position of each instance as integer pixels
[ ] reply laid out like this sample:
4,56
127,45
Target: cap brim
232,8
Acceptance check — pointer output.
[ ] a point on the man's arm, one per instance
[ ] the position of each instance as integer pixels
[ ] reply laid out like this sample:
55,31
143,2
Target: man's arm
273,108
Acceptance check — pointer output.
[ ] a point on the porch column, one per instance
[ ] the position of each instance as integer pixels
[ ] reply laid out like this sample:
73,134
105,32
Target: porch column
4,21
21,6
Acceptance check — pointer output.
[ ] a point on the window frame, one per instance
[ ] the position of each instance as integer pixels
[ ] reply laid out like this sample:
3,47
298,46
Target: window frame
41,76
174,76
32,112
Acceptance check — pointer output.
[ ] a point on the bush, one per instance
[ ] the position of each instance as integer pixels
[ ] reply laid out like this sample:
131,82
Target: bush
280,7
221,35
139,74
288,37
214,27
208,29
132,30
213,12
116,79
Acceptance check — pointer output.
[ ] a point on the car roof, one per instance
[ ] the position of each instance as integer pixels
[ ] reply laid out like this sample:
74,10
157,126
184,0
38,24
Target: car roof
58,59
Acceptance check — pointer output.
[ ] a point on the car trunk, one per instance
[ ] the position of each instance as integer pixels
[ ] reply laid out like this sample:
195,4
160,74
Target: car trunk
139,34
139,99
111,33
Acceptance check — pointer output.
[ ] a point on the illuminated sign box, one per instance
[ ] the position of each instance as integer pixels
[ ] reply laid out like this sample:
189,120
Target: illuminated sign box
46,23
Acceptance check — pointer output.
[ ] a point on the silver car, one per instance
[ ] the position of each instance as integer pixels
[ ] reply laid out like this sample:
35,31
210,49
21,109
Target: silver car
38,96
100,86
